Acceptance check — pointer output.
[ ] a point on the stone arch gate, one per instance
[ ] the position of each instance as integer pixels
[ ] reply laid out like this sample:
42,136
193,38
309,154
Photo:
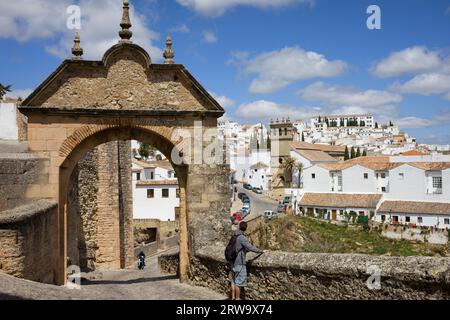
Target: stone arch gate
126,97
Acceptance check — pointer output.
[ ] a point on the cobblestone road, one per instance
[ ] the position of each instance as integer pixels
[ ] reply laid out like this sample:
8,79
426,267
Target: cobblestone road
149,284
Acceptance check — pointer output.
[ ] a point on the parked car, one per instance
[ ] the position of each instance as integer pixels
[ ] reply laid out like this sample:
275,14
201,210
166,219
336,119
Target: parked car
242,195
281,208
244,212
257,190
236,217
247,186
287,200
246,199
269,215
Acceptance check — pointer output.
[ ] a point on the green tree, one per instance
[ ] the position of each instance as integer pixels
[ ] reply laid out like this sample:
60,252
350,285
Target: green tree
358,153
364,153
320,119
299,167
288,166
144,150
352,153
269,143
346,154
391,124
303,136
376,125
4,90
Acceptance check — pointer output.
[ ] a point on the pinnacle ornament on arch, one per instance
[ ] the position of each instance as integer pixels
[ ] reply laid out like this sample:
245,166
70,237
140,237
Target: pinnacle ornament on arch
125,34
77,51
169,54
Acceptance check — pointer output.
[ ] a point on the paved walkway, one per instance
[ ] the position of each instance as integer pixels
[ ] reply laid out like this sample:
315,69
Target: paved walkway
149,284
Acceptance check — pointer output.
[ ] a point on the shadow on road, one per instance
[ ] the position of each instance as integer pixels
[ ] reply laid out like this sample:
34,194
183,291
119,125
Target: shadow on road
87,282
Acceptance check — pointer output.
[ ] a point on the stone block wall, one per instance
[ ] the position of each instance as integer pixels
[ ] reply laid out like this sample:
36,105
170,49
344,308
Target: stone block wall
17,172
100,232
209,202
28,241
311,276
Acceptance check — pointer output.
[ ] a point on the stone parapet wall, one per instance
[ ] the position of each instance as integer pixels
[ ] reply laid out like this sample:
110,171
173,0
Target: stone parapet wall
28,241
286,276
20,176
165,228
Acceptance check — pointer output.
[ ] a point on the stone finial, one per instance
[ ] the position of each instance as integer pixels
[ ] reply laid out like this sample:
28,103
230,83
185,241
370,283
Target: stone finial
77,51
126,34
169,54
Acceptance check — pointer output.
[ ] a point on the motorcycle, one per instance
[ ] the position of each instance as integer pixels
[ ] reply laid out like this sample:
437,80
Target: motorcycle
141,262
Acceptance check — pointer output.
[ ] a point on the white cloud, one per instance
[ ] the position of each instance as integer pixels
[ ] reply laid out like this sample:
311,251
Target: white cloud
271,110
408,61
277,69
183,28
224,101
25,20
215,8
425,84
209,37
350,97
19,93
415,122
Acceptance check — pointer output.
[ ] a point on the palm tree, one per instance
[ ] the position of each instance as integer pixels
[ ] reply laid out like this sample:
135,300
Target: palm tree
4,90
288,166
299,167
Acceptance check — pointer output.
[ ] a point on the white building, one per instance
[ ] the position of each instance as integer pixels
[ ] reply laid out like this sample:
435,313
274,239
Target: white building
399,185
355,120
8,120
259,176
155,191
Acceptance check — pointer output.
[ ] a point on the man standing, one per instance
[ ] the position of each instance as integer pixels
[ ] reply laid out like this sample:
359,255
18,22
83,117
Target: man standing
239,268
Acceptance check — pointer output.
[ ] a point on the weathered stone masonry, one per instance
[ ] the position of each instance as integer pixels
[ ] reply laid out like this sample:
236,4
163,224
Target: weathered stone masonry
311,276
28,242
100,209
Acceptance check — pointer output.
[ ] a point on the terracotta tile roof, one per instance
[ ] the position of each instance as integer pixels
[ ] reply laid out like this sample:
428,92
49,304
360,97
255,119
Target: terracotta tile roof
430,165
340,200
259,166
413,153
300,145
166,182
315,155
415,207
144,164
165,164
376,163
10,100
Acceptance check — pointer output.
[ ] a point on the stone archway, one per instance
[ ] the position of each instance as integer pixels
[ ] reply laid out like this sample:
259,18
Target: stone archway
126,96
88,137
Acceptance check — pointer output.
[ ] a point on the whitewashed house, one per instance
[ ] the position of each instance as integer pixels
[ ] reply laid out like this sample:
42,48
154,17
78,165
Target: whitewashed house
407,193
259,176
155,190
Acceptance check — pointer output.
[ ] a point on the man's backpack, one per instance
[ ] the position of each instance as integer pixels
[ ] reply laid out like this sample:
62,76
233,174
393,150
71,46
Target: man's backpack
230,250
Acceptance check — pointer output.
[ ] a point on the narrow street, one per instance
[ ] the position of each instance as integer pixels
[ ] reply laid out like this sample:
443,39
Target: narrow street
258,202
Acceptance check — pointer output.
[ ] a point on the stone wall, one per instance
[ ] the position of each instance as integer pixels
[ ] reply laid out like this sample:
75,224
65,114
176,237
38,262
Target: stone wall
286,276
28,241
17,172
100,234
164,228
208,197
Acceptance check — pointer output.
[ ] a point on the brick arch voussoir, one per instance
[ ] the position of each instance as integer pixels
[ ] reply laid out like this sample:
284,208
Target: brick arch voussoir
87,131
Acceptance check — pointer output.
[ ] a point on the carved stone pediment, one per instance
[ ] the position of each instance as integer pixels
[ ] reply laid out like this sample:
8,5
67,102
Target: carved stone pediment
125,79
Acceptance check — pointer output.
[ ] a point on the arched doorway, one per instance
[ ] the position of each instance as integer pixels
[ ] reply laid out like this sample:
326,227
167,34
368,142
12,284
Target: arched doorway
86,144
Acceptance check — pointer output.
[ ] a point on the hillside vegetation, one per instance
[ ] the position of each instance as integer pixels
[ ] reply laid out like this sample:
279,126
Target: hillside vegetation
299,234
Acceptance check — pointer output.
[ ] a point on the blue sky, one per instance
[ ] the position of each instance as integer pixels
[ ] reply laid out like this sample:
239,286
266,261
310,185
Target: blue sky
263,59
